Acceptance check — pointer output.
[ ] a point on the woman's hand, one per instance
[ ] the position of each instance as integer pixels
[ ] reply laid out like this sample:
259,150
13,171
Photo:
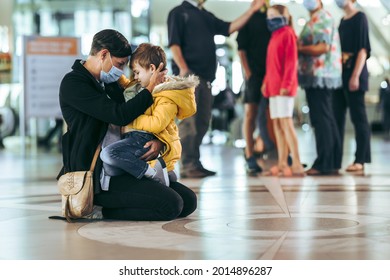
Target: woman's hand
157,77
155,146
185,72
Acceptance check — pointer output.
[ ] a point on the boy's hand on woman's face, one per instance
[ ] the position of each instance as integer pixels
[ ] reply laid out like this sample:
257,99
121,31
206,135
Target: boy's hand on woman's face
157,77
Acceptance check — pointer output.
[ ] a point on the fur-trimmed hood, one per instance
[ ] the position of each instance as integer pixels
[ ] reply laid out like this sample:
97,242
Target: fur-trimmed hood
181,90
177,83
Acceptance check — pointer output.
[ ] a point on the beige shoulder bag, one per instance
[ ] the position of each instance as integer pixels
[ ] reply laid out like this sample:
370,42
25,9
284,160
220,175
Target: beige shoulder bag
76,189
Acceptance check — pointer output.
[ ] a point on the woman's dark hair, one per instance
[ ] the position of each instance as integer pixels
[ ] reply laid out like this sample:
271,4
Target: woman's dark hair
111,40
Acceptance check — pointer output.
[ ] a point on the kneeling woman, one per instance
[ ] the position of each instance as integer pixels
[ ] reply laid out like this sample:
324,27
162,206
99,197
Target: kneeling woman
90,100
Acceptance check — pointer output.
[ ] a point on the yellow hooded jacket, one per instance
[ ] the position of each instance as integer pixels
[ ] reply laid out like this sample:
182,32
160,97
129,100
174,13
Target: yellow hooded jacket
174,99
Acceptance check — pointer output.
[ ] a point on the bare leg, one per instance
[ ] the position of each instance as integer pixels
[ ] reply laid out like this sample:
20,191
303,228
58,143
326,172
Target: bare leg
280,144
291,140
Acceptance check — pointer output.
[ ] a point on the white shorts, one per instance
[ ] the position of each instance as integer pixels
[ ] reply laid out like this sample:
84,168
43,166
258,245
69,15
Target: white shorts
281,107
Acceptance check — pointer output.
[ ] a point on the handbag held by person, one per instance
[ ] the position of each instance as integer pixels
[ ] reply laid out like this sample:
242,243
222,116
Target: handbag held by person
76,189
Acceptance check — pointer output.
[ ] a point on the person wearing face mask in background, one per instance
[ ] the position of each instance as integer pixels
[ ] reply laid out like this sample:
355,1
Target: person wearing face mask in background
191,31
252,41
90,100
280,86
319,74
356,48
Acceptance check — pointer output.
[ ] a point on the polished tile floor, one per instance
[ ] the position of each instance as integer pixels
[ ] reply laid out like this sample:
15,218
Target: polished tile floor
344,217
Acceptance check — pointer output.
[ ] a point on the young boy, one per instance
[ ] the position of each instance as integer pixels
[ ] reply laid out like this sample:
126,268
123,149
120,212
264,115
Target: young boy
173,99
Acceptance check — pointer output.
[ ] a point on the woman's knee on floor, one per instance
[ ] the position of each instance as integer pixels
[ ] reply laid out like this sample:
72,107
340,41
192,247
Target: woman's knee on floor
170,209
190,205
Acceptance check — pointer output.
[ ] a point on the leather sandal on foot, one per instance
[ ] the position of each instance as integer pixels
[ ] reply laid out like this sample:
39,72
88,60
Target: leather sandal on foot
355,167
313,172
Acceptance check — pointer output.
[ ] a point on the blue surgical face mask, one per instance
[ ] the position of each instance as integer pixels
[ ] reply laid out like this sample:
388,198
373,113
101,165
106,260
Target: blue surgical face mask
112,76
275,23
310,5
341,3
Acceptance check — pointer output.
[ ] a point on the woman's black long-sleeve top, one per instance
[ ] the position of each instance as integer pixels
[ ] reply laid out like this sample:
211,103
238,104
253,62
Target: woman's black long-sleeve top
87,109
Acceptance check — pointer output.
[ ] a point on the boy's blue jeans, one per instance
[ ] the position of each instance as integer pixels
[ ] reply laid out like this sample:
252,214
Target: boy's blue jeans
123,156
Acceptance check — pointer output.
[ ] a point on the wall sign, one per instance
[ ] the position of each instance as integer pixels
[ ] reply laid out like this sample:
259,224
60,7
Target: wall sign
46,61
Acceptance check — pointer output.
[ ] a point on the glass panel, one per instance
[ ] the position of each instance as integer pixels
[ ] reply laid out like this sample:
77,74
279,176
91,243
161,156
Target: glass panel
82,18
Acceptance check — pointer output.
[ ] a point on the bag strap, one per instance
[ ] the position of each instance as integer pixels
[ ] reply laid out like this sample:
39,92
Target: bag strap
95,156
67,210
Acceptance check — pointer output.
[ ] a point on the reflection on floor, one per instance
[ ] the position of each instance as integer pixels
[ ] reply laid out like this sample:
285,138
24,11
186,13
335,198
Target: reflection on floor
239,217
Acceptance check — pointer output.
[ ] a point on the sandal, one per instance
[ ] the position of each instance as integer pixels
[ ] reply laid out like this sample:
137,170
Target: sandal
313,172
355,167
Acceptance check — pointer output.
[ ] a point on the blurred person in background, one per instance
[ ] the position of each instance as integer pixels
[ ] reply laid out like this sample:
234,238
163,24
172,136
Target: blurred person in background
252,42
280,86
319,74
356,49
191,31
384,107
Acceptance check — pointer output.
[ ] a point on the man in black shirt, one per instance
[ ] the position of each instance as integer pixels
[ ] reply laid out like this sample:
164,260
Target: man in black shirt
252,43
191,31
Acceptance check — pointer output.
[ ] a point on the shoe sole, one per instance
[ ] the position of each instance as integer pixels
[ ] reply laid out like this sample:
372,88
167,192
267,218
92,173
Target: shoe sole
253,172
198,175
257,169
194,176
354,171
209,173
